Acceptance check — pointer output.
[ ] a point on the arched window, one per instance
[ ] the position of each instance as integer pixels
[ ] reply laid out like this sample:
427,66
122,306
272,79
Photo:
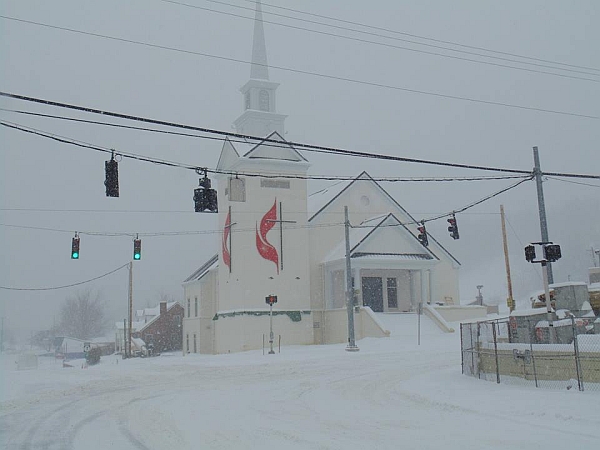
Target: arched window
263,100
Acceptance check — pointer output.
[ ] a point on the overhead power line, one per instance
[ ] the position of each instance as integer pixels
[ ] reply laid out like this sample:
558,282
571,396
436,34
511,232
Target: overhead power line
398,47
298,145
427,38
70,141
575,182
66,285
312,73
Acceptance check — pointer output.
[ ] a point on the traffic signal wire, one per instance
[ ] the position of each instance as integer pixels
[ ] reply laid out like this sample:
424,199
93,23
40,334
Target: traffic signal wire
308,72
66,285
298,145
65,140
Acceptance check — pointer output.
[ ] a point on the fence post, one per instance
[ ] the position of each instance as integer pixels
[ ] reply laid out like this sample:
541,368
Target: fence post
532,356
478,349
472,350
496,352
462,351
577,360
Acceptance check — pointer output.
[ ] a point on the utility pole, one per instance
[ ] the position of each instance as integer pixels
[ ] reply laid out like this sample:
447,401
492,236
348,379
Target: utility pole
349,290
510,301
2,337
130,307
541,207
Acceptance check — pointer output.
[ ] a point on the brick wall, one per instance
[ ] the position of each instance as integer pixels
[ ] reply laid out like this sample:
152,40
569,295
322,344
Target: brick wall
165,333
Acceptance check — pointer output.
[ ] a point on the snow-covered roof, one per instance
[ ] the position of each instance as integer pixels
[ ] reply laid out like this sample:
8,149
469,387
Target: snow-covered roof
135,326
268,150
528,312
568,283
209,265
319,201
368,227
155,311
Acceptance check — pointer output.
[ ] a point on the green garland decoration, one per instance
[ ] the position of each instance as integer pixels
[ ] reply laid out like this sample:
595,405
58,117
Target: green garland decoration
295,316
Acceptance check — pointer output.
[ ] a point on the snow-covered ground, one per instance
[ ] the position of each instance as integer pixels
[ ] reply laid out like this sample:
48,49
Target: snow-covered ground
393,394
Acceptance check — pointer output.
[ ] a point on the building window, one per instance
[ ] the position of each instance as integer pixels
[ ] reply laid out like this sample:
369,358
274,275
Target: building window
237,189
263,100
247,98
188,307
187,342
195,348
195,306
392,293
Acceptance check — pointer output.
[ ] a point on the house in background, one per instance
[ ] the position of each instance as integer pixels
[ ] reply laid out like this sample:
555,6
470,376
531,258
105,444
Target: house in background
160,328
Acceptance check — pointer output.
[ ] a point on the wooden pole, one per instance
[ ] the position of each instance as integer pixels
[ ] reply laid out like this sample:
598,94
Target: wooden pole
510,301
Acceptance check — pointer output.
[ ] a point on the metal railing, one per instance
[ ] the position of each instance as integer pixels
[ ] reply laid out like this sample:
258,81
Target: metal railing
562,354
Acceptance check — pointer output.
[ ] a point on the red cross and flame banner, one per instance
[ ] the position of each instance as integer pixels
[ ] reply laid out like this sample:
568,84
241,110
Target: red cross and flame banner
264,247
225,246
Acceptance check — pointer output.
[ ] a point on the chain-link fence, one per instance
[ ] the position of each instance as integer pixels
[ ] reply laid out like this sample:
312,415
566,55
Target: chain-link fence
560,354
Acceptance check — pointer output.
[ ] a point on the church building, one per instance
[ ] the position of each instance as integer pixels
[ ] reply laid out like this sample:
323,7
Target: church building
278,240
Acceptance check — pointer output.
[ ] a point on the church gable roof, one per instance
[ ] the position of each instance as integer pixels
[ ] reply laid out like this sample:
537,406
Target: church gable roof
229,155
382,237
323,199
283,151
209,265
320,202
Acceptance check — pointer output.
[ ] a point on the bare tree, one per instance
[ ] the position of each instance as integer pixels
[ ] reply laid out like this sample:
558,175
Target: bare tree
82,316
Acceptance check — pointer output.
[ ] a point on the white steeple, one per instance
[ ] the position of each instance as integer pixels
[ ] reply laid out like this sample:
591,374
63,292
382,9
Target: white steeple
259,117
259,69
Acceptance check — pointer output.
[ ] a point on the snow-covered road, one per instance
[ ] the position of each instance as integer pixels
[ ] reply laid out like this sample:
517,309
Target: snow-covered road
392,394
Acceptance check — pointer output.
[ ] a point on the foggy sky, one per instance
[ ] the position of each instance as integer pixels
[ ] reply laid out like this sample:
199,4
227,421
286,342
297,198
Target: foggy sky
41,174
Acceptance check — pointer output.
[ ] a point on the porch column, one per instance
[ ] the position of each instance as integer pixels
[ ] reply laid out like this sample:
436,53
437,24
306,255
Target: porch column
411,287
425,298
431,290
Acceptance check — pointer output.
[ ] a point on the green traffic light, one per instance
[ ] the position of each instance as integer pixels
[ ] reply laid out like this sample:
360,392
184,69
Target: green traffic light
75,255
136,256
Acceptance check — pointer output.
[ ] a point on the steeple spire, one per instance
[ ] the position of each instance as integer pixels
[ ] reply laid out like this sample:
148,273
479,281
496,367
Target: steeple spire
259,69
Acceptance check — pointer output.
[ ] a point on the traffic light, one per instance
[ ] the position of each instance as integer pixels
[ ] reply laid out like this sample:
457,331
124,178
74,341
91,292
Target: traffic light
271,299
137,249
530,253
111,180
423,235
552,252
205,198
75,247
453,228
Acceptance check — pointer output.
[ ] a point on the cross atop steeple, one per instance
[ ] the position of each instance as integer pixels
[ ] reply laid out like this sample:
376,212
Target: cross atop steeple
259,69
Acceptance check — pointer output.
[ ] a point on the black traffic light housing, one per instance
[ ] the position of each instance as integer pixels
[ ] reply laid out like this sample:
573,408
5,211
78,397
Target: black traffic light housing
423,235
111,181
530,253
552,252
271,299
137,249
75,247
453,228
205,198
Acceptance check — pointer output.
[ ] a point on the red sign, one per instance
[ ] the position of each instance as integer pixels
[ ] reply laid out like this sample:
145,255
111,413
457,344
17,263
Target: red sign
264,247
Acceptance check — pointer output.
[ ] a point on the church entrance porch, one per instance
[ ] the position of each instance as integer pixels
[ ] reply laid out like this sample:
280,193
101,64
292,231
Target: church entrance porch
383,290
